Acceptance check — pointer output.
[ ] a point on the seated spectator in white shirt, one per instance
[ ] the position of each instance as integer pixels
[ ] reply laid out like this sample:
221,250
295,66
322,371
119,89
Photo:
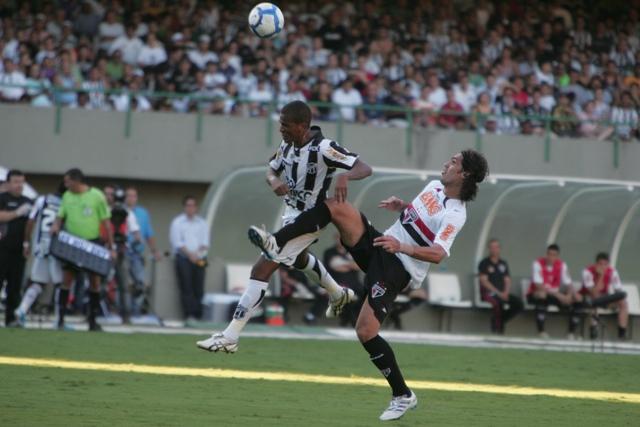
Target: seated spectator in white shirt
335,74
319,55
109,30
48,50
11,75
465,94
293,93
199,57
438,96
544,73
347,97
152,52
189,237
260,97
547,100
213,77
129,44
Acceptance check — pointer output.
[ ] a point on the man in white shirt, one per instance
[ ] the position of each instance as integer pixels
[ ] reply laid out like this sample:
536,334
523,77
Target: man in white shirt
347,97
202,55
129,44
465,94
189,238
109,30
11,76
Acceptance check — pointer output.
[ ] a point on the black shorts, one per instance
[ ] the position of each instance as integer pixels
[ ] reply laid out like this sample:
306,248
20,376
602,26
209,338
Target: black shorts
385,276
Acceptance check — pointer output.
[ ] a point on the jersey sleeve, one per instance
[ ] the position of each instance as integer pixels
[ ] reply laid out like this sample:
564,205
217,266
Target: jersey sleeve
587,279
451,226
276,161
482,267
537,273
102,208
566,277
507,273
37,207
336,156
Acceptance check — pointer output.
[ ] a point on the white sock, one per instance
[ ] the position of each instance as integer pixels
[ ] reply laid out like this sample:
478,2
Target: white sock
29,297
316,272
250,299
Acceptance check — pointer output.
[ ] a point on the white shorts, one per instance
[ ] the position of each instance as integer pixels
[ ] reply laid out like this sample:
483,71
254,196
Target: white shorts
46,270
295,247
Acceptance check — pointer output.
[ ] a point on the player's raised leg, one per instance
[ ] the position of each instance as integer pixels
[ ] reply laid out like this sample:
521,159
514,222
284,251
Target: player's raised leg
227,341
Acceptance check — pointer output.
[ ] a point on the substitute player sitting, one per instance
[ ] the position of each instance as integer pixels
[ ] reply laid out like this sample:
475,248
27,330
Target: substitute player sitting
601,288
308,161
398,258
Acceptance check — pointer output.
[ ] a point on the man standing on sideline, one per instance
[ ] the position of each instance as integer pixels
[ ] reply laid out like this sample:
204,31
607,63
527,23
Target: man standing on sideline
189,237
84,212
135,250
45,268
495,284
601,287
14,211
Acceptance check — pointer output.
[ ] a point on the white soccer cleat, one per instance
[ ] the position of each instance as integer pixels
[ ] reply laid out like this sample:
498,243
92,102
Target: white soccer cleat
264,240
218,342
21,317
336,306
398,406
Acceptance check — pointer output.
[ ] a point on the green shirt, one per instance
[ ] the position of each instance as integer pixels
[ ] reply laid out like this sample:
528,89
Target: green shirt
83,212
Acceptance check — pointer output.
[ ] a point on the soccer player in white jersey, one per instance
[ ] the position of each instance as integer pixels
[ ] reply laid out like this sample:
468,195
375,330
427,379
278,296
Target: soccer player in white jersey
308,161
398,258
45,268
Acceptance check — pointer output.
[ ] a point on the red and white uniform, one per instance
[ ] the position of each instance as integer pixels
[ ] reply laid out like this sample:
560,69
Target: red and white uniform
551,276
431,218
610,282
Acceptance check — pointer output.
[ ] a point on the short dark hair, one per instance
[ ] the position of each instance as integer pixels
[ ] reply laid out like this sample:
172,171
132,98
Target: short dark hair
14,172
188,197
297,112
602,256
75,174
553,247
477,168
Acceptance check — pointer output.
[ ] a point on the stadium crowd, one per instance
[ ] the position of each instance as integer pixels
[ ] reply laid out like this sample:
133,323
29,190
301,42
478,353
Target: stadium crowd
496,66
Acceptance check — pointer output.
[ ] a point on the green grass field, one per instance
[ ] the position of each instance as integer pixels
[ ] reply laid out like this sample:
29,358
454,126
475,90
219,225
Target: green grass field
35,396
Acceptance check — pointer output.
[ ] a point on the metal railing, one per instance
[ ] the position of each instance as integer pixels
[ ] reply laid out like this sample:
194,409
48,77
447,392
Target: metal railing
407,115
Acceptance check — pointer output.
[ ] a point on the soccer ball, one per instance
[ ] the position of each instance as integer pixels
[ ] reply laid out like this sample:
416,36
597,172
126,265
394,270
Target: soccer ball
266,20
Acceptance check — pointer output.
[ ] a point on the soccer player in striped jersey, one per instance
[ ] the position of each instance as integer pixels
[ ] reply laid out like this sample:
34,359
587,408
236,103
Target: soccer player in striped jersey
45,268
400,257
301,170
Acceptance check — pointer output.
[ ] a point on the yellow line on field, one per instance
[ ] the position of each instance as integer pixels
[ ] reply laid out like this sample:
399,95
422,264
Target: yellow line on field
318,379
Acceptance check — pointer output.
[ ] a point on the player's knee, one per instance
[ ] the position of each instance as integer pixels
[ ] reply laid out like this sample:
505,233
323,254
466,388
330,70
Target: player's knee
365,331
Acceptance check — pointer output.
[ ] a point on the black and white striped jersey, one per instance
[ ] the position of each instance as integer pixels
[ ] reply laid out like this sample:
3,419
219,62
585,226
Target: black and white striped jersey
43,212
308,170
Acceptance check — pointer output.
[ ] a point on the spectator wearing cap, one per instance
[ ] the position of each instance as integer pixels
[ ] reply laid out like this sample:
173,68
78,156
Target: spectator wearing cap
347,97
200,56
129,44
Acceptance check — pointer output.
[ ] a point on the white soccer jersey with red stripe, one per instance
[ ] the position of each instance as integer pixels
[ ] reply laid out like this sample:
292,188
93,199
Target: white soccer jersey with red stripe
431,218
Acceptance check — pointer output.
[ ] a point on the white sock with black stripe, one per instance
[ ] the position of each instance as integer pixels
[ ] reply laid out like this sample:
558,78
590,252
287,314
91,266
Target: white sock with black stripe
315,271
250,299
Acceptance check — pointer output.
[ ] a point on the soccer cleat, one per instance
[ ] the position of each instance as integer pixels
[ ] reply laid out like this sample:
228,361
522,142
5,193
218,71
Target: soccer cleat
94,327
21,317
543,335
398,406
218,342
264,240
336,306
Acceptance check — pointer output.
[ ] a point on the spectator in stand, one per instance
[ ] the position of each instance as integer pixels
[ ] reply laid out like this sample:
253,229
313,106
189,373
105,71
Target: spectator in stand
347,97
129,44
109,30
10,77
534,123
624,120
199,57
495,287
482,115
602,288
551,285
507,112
152,54
189,237
564,117
451,113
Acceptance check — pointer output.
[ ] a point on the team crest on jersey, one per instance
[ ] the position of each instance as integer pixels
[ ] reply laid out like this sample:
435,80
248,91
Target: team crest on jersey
502,268
430,202
410,215
377,290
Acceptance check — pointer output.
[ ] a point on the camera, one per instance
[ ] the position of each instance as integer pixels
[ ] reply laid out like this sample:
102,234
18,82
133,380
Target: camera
119,215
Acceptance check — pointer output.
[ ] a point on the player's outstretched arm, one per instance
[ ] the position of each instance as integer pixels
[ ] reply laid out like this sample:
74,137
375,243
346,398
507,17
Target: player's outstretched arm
359,171
434,254
275,183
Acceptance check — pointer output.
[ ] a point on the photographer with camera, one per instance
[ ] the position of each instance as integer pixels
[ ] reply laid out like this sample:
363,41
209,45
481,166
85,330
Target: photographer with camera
189,237
123,223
